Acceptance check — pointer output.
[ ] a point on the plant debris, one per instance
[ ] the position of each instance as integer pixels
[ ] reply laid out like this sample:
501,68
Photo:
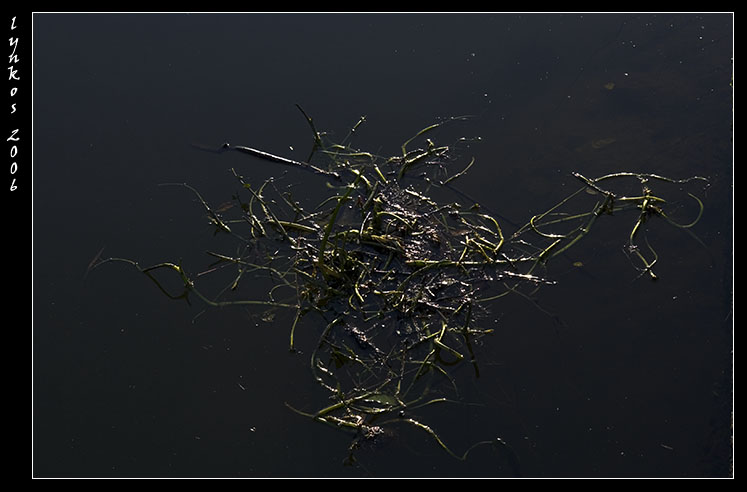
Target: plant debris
401,282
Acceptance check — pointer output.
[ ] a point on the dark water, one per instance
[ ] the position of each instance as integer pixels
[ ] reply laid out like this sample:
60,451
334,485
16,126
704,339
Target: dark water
634,381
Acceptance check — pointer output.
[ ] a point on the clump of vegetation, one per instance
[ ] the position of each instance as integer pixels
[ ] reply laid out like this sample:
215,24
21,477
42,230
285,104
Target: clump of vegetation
400,281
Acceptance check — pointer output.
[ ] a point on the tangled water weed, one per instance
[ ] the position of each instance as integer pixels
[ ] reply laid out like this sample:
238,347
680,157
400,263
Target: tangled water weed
402,282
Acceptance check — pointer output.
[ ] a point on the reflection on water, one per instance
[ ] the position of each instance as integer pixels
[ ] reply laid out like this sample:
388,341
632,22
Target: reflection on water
603,374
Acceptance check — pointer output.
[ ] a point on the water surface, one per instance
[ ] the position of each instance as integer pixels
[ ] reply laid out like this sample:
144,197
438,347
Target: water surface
635,380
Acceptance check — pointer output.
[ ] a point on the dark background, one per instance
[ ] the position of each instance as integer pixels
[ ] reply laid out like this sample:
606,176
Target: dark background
637,381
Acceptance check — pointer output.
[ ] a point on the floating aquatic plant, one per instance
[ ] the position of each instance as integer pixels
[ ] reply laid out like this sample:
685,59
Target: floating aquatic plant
400,281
